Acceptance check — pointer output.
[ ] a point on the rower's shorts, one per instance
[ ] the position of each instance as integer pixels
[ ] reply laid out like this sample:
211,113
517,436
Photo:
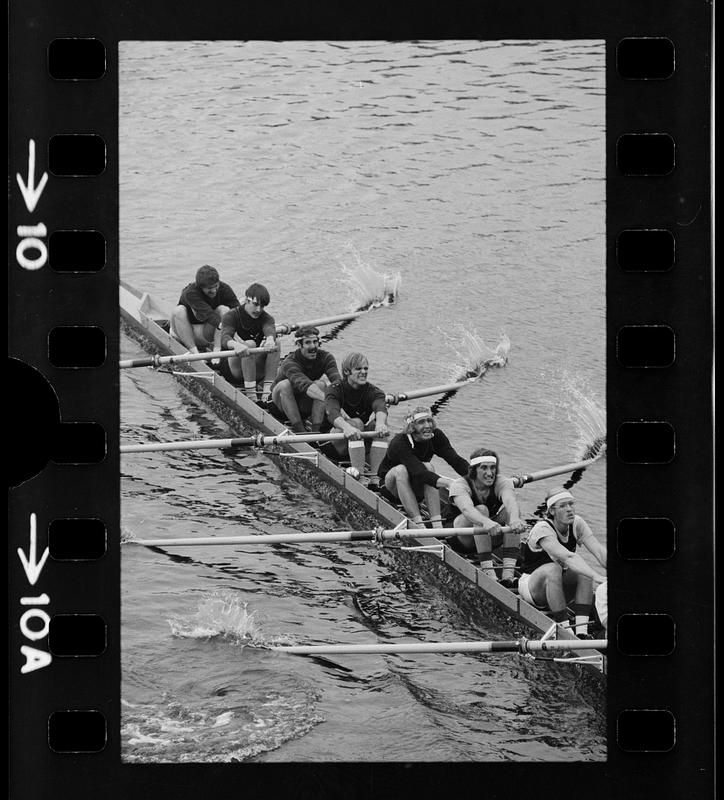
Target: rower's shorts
524,591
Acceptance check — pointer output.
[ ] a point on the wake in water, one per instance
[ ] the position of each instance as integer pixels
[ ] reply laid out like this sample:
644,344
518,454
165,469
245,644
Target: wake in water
223,615
473,358
367,289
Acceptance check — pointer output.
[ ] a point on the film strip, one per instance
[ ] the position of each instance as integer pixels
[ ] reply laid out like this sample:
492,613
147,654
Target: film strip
66,642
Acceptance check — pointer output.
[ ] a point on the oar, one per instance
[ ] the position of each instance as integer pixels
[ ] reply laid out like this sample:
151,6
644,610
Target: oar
290,327
518,646
377,535
260,440
157,361
401,397
521,480
576,468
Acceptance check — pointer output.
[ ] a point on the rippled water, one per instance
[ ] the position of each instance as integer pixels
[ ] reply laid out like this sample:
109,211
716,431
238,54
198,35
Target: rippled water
475,170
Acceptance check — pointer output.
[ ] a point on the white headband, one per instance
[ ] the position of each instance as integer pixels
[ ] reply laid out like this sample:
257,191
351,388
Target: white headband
483,460
420,415
554,498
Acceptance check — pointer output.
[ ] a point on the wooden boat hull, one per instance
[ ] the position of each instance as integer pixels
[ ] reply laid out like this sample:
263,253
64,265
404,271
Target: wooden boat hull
362,509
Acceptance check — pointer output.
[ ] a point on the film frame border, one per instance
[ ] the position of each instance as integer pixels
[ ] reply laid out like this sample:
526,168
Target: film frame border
639,393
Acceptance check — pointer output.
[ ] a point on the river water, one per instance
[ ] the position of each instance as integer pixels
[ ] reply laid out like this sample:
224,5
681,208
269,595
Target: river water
470,172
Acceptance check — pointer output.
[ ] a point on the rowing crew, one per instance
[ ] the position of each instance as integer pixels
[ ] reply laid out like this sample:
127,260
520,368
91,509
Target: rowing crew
307,385
553,573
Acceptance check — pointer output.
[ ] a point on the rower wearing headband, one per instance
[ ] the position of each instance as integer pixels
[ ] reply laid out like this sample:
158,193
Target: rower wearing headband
485,498
406,472
245,327
553,572
303,376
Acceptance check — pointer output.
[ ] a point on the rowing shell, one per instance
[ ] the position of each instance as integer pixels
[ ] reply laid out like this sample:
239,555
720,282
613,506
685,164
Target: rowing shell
146,322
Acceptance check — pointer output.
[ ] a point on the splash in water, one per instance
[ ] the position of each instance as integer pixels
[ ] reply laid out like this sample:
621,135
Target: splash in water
578,403
224,615
585,412
367,287
473,358
127,535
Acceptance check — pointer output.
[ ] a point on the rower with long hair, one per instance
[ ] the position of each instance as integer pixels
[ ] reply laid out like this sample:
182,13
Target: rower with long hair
486,498
406,471
553,573
353,405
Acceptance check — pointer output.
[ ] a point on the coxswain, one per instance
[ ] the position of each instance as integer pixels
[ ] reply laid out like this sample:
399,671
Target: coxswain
196,320
406,472
485,498
353,405
553,573
245,326
301,381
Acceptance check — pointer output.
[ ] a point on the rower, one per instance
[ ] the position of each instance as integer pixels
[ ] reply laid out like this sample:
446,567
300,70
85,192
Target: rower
196,320
251,326
353,405
302,378
406,472
553,573
486,498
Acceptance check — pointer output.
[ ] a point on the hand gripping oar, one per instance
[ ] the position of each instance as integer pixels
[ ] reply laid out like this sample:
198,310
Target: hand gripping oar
376,535
519,646
157,361
259,440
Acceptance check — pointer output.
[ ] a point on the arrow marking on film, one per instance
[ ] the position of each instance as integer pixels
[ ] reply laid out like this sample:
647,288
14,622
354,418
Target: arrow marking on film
31,192
32,567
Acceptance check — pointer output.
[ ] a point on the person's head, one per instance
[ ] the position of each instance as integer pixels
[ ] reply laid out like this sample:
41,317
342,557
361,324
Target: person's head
484,466
419,423
355,368
560,505
307,339
207,279
257,299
